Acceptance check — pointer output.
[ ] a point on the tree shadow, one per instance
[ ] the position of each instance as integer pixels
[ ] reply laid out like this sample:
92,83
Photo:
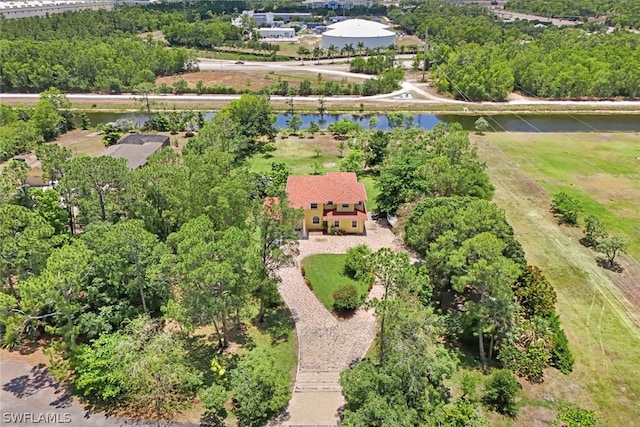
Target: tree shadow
279,324
27,385
611,266
344,314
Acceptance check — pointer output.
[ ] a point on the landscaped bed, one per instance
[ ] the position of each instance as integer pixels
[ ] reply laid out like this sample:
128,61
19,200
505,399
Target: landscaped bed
325,273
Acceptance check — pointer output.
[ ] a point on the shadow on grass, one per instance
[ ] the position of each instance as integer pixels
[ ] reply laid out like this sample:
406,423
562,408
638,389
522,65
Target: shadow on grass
611,266
278,323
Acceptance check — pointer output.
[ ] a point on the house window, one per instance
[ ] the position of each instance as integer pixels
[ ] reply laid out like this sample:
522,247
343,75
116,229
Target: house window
316,220
354,224
336,223
345,205
330,202
314,206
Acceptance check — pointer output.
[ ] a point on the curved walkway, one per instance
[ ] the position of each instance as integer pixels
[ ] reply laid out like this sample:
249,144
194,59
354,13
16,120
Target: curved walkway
326,345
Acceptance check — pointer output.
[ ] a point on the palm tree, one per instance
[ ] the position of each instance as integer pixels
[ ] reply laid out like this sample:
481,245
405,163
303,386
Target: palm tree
360,47
317,52
303,51
332,52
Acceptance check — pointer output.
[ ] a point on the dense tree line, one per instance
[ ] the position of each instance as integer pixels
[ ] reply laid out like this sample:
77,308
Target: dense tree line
202,34
474,56
625,13
471,285
88,51
24,128
102,262
76,65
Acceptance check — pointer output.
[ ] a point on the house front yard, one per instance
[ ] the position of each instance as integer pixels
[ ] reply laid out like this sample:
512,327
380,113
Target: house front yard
326,274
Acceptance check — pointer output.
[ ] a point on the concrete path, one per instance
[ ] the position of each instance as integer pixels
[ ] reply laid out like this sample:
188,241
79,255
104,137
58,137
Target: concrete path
30,396
326,345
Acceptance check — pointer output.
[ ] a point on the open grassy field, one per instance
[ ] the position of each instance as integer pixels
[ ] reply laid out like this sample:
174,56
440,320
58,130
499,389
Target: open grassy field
596,306
601,170
299,153
326,274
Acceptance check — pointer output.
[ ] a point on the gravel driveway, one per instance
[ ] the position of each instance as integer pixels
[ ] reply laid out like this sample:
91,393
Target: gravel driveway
327,345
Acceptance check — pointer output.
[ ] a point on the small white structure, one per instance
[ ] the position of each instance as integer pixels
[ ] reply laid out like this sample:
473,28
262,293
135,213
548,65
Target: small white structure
354,31
28,8
277,33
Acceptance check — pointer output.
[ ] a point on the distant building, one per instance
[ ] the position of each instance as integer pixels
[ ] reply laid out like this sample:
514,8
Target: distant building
136,149
336,4
269,19
277,33
355,31
28,8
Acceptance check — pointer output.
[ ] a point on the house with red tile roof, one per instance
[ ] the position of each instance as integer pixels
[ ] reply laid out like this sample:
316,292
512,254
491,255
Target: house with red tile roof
334,202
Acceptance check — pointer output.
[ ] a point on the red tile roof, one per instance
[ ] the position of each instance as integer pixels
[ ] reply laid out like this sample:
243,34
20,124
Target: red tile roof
344,216
338,187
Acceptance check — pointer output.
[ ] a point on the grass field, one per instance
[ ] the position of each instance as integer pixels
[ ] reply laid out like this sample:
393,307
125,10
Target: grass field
595,305
299,153
601,170
326,274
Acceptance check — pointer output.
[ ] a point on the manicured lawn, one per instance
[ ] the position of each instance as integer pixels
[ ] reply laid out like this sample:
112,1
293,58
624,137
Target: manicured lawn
372,192
326,274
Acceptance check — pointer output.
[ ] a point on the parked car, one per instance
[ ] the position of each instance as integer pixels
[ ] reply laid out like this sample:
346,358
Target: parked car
239,62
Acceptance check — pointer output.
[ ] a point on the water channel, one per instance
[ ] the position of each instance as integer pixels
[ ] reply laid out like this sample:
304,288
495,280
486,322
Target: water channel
560,122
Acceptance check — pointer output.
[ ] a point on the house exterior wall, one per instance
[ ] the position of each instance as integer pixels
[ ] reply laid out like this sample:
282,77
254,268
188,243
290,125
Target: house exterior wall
346,226
310,213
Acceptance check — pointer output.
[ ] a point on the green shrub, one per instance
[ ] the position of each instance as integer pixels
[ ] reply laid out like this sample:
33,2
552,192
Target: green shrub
561,356
500,393
574,416
346,298
356,264
566,207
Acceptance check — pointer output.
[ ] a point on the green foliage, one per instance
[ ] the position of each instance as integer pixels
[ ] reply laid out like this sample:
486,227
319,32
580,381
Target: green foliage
214,399
611,246
534,294
142,368
261,388
574,416
461,414
294,123
501,390
110,135
566,207
408,386
47,205
344,127
353,161
346,298
440,163
594,231
469,384
356,264
527,350
561,356
481,125
24,243
95,185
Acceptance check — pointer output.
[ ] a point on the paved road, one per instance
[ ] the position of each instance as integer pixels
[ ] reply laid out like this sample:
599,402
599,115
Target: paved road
420,96
30,397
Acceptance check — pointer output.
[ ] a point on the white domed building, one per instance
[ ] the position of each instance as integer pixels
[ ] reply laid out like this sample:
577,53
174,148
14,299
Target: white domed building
354,31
